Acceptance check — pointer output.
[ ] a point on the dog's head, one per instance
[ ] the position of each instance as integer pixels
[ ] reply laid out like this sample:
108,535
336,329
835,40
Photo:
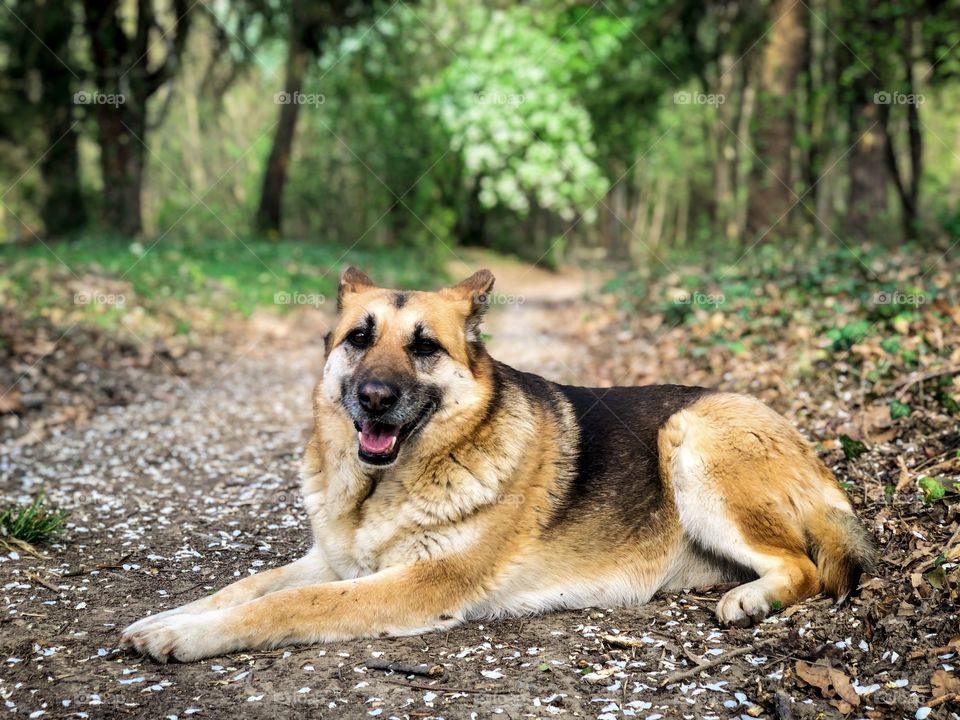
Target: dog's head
406,366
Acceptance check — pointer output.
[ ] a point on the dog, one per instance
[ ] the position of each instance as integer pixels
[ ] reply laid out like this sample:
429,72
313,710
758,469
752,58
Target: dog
444,486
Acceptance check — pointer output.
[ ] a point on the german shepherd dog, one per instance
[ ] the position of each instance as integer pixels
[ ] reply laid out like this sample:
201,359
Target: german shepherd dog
444,486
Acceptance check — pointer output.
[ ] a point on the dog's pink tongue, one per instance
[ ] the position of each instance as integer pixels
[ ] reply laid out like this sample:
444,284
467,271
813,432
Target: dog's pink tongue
377,439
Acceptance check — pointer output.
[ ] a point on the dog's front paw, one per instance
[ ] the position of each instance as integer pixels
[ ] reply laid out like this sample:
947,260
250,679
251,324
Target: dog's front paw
149,620
177,636
743,606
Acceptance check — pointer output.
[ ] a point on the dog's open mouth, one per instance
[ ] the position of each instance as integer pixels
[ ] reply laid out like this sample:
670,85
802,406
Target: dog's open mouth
377,439
380,442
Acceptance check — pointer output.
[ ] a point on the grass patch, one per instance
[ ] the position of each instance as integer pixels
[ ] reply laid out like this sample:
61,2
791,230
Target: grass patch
108,282
32,524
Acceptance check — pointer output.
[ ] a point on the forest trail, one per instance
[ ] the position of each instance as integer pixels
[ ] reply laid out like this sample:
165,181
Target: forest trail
189,479
536,316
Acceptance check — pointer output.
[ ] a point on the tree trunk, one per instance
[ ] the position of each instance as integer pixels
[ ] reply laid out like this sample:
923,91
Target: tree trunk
270,211
121,167
472,224
125,83
741,189
771,183
907,182
867,163
63,211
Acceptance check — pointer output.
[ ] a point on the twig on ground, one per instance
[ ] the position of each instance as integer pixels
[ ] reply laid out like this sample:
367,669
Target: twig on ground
942,699
905,478
186,590
83,569
623,641
405,668
953,647
904,385
932,562
708,665
695,659
40,581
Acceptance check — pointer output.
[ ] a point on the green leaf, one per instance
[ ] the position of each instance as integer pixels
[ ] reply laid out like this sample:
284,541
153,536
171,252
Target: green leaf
899,410
932,488
544,667
948,403
852,449
937,577
891,344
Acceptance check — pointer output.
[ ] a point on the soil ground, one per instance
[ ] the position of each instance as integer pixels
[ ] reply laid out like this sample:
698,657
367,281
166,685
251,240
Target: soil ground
190,481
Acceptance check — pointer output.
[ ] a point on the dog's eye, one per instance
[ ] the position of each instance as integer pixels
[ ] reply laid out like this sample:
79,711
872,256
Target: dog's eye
424,347
359,339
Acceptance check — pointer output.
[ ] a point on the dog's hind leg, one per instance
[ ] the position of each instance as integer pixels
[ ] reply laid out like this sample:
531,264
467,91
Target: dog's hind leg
746,484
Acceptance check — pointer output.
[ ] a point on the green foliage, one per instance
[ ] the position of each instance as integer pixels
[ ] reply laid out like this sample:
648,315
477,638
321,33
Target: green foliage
852,449
33,523
932,488
847,335
899,410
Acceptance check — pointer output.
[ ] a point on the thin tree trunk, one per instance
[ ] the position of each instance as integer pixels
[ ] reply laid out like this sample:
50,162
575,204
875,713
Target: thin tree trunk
121,70
867,164
726,152
748,101
121,166
63,211
771,196
270,211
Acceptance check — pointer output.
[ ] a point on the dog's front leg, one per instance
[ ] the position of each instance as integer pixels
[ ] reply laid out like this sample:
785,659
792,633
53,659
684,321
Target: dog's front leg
311,569
400,601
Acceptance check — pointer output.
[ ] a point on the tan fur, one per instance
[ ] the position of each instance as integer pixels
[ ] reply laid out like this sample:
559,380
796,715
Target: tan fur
466,524
773,495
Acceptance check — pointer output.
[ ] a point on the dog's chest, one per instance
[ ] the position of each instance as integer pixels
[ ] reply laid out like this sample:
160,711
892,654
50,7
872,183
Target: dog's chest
391,528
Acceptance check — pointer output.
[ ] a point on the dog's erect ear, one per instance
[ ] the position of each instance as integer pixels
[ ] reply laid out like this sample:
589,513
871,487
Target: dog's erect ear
476,289
352,281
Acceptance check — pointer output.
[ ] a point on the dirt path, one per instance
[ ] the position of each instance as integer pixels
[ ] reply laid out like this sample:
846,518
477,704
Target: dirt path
534,322
177,495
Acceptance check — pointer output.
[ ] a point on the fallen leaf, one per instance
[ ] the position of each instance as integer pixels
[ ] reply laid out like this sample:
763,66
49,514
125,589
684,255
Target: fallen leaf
10,402
830,681
943,683
904,479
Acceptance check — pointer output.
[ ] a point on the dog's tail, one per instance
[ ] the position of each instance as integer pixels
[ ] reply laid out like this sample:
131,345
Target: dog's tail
841,548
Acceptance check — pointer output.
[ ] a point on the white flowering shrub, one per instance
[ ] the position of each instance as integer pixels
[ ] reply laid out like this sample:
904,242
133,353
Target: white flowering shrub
510,107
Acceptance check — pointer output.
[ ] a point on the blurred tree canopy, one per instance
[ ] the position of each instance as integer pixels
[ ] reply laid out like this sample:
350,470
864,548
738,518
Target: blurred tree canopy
548,128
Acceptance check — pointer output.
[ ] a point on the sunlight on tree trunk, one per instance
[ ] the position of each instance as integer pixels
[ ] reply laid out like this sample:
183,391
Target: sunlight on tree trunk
771,183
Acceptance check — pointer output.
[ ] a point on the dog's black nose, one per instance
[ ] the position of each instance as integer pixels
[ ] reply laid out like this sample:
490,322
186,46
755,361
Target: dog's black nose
376,396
